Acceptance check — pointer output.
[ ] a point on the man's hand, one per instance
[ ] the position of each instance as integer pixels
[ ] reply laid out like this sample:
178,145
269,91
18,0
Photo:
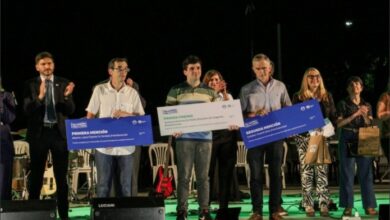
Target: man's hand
177,134
69,89
262,112
42,90
233,127
251,114
120,114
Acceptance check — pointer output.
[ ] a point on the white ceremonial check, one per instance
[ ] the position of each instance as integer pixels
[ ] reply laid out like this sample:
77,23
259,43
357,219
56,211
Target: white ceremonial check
199,117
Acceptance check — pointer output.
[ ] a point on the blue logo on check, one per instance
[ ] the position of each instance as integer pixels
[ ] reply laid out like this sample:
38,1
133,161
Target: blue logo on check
78,125
170,111
138,122
251,123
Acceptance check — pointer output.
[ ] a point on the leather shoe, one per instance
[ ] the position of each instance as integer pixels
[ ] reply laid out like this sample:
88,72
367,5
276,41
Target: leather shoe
282,211
310,211
347,212
371,211
275,216
255,216
324,212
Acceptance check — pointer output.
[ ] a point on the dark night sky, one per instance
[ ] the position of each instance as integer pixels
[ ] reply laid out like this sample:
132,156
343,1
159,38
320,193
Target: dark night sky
156,36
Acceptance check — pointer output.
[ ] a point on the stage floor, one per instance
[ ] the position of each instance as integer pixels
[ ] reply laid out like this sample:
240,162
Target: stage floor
291,201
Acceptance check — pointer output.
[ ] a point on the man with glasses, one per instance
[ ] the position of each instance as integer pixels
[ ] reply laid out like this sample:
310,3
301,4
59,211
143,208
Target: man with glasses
47,103
114,99
259,97
138,150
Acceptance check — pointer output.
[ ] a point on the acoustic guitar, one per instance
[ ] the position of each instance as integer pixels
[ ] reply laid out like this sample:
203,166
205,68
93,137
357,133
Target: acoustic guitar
164,185
49,186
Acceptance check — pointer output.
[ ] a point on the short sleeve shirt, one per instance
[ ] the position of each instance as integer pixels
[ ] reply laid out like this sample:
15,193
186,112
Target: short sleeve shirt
346,108
105,100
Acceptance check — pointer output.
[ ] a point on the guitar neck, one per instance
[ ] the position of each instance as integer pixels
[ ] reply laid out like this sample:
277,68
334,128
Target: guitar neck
167,156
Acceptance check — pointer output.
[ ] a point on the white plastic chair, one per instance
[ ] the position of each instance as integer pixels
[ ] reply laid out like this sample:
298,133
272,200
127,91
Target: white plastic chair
283,167
20,166
83,167
21,148
157,153
241,160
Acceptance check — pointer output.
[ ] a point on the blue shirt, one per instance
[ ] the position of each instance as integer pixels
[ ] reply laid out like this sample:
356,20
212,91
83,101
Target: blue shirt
255,96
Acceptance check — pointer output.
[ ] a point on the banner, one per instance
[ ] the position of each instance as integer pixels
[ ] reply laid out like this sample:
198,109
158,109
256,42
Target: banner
109,132
282,123
199,117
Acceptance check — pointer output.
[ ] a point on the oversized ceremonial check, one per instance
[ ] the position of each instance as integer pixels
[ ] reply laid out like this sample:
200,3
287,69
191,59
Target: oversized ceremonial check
109,132
199,117
282,123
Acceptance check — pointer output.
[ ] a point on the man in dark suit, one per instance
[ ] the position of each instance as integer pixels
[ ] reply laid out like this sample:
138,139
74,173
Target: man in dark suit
47,103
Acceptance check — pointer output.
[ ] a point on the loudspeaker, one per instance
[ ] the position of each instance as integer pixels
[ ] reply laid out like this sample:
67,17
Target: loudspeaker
128,208
28,209
384,212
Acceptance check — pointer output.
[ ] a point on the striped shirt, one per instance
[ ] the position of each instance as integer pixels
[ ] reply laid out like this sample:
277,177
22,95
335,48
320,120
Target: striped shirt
183,94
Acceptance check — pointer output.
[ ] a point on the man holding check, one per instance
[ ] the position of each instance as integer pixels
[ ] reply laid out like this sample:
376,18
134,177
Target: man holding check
114,99
192,148
260,97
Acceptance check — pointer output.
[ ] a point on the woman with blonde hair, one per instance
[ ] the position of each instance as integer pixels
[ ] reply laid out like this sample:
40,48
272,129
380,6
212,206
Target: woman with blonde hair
312,87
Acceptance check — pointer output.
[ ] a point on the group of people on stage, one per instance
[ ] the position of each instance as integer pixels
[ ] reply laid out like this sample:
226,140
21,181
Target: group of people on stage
48,101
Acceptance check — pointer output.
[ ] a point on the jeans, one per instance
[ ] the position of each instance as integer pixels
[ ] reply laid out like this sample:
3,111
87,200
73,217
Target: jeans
105,171
255,157
189,153
347,174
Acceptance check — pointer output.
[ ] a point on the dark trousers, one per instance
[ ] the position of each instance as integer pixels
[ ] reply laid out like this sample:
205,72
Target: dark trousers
6,179
224,151
52,140
6,163
255,159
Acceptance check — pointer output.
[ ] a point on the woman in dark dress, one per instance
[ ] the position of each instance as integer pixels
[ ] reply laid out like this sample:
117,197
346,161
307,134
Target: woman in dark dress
224,145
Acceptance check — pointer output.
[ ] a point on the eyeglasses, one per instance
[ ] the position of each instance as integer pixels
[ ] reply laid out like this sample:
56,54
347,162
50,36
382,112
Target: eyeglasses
313,76
122,70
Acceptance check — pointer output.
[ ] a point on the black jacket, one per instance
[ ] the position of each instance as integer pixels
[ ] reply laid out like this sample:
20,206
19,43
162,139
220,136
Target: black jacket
35,109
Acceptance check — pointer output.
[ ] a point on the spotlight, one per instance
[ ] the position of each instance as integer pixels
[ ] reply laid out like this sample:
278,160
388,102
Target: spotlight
348,23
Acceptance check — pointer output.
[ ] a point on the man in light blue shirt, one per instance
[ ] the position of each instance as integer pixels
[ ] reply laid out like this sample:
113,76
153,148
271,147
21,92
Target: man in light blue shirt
259,97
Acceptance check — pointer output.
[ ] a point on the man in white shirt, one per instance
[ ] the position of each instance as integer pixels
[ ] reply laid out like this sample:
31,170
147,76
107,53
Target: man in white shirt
114,99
